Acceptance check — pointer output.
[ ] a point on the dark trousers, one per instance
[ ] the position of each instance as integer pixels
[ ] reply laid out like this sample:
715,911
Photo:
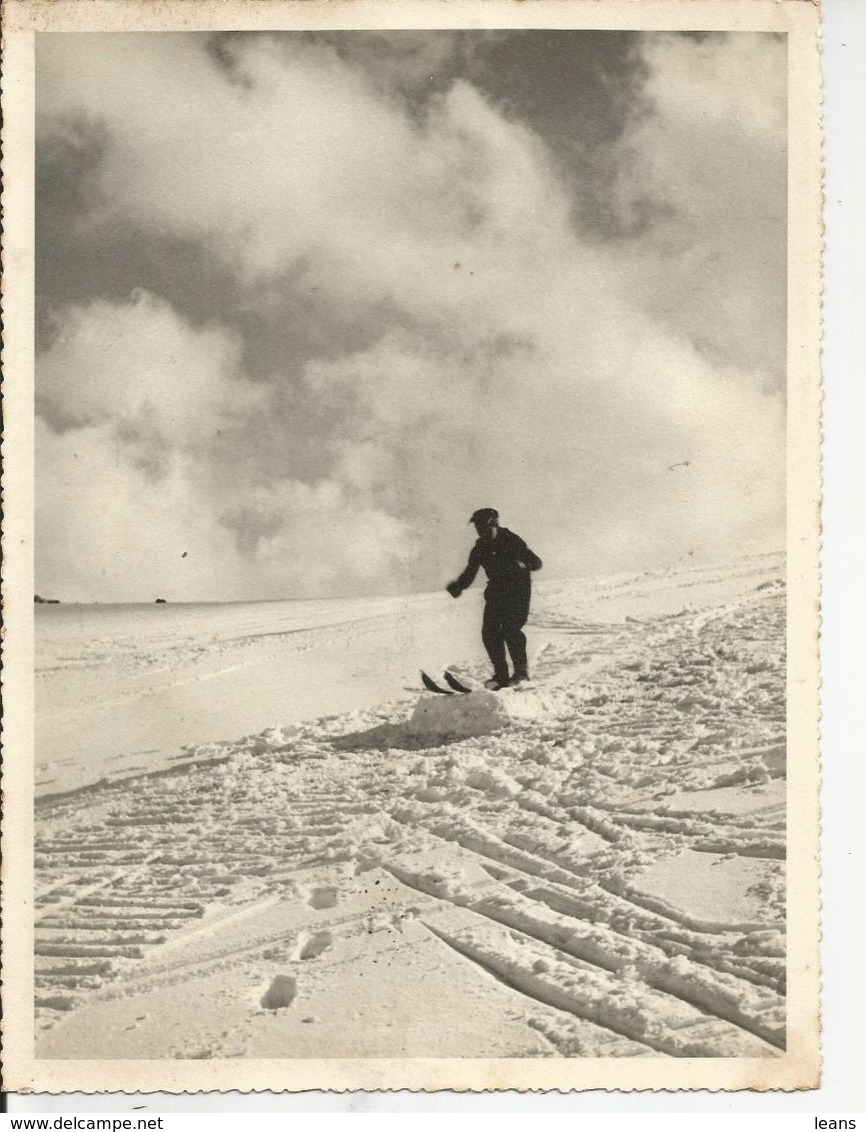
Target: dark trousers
505,614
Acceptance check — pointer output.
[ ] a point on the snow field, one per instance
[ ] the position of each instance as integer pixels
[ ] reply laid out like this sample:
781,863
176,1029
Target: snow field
591,867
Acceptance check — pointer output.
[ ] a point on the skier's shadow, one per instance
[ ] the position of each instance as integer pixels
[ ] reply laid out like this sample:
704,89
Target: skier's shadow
391,736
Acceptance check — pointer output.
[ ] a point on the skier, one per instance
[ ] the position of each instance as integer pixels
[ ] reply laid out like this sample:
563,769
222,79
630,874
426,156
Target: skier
507,561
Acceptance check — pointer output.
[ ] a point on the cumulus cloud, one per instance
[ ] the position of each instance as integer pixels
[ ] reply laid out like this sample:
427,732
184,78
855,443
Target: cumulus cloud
506,358
147,478
139,364
706,162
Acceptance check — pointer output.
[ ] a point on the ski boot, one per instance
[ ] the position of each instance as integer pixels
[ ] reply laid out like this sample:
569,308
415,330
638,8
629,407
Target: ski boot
497,683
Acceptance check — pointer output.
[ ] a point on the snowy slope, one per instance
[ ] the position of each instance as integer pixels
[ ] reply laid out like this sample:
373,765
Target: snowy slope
121,689
593,866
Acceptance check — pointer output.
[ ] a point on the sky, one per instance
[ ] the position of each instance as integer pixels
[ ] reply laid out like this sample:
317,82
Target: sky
307,300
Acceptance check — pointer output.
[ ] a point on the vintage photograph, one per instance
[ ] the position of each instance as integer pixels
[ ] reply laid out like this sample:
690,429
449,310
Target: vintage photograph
411,586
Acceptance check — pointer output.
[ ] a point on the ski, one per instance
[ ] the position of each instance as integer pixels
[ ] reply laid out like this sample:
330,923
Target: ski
432,686
453,682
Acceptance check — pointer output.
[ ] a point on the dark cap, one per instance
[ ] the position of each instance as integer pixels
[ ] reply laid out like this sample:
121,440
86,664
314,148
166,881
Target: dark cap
486,515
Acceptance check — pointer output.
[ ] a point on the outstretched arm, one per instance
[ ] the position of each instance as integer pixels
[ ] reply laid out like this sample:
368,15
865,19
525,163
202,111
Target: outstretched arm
457,587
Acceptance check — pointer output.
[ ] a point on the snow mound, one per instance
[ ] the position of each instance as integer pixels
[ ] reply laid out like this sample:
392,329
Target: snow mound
469,716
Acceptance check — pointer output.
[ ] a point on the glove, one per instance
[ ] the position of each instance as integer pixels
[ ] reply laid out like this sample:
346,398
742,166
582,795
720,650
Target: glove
453,589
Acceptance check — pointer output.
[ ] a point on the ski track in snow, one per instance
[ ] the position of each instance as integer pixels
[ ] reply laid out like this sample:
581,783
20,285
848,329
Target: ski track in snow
611,861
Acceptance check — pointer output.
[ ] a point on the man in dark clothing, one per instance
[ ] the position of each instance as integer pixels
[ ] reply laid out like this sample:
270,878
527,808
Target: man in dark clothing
507,561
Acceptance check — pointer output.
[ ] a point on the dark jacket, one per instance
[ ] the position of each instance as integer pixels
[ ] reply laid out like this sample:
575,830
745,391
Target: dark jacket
507,561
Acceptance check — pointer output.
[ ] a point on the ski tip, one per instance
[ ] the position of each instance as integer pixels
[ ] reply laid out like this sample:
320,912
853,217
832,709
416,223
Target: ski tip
454,682
432,686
